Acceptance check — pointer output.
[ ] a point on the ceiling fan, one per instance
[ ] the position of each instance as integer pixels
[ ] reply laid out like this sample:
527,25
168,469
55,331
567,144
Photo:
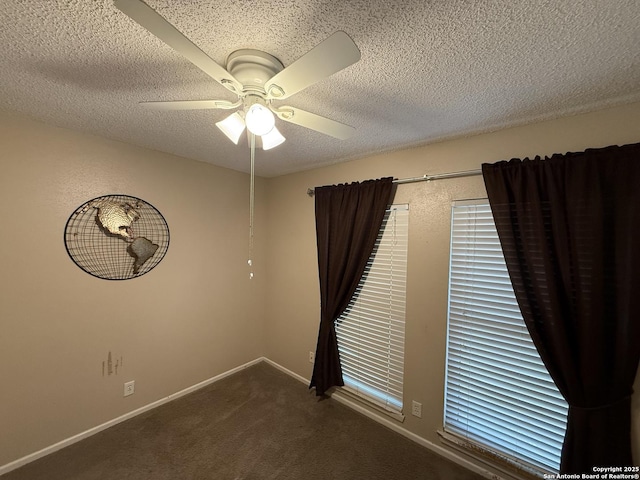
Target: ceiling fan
256,77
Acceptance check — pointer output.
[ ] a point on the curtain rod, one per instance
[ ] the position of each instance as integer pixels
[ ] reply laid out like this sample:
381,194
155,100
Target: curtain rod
425,178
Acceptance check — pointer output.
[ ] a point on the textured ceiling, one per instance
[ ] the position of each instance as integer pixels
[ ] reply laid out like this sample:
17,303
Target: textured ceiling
429,69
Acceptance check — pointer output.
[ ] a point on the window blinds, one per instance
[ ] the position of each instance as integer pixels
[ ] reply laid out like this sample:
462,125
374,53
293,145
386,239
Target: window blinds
498,392
371,331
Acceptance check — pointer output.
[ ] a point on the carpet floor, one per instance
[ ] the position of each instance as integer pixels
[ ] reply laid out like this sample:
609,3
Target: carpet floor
257,424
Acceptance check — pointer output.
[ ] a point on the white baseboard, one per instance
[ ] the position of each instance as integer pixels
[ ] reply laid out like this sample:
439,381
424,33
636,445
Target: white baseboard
395,426
92,431
287,371
340,398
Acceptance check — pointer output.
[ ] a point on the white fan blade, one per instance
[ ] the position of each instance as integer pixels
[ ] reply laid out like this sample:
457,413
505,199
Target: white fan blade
191,104
330,56
148,18
314,122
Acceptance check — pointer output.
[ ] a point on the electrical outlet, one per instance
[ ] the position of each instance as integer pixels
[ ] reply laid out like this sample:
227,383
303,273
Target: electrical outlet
312,357
416,409
129,388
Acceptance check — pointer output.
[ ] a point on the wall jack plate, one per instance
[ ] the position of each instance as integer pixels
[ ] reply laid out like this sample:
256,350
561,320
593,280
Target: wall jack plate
129,388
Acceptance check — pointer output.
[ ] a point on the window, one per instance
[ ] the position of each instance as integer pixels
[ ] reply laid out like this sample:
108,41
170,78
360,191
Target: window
498,395
371,331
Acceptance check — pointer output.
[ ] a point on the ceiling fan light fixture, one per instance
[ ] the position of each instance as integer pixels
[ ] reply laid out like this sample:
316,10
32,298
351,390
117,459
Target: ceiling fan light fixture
232,126
272,139
260,120
256,77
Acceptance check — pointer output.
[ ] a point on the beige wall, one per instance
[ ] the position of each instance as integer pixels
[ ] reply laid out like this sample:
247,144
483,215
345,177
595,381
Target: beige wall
194,316
292,292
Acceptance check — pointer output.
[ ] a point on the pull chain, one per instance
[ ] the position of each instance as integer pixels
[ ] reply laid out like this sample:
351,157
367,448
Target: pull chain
251,204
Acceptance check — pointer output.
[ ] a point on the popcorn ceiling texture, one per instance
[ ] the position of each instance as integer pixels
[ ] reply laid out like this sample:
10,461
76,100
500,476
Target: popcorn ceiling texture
429,70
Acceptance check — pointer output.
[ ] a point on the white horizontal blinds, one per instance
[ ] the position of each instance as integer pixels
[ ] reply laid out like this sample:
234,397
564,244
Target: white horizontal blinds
371,331
498,392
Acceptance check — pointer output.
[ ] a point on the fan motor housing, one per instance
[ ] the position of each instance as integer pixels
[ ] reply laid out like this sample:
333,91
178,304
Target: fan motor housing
253,68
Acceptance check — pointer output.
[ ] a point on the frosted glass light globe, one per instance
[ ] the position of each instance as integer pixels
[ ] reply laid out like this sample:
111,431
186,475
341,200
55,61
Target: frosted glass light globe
259,120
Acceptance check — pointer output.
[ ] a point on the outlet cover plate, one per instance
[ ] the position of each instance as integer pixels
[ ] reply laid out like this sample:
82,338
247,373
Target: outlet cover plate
416,409
129,388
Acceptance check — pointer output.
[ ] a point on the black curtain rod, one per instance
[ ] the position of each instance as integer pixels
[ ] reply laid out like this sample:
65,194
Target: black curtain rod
425,178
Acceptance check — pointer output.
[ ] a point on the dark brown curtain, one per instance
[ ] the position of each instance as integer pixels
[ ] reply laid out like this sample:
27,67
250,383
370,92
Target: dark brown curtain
348,219
569,226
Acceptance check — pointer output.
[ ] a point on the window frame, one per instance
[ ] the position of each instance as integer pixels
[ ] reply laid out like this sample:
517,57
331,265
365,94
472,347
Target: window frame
382,292
494,325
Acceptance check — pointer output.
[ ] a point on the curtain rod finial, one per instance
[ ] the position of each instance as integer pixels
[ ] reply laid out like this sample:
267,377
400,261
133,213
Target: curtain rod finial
311,192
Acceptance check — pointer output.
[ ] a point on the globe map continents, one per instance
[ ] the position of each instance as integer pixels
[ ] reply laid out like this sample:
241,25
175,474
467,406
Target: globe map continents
116,237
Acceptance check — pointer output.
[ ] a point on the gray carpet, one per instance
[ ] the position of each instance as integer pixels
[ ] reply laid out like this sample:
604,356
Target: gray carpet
256,424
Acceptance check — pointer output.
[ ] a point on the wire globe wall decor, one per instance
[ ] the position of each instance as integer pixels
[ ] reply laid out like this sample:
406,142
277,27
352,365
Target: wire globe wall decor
116,237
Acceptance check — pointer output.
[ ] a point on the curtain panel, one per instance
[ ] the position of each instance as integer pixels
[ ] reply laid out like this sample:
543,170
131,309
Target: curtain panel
348,219
569,226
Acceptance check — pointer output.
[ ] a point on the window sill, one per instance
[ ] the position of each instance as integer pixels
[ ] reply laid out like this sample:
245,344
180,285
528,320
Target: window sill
361,404
503,464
